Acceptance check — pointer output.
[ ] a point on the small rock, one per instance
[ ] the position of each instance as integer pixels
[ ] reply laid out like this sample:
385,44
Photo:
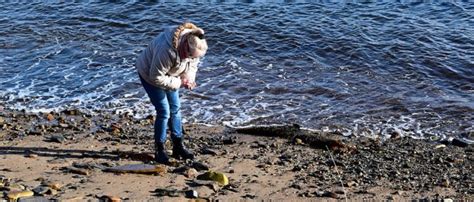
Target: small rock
229,140
447,200
41,190
440,146
219,177
30,155
50,117
352,184
208,151
14,195
53,185
110,198
191,194
76,170
63,125
57,138
167,192
199,166
298,141
326,194
191,173
459,142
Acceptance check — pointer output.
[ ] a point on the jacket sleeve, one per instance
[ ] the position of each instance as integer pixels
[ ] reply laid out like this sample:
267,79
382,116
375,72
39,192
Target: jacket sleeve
191,70
161,63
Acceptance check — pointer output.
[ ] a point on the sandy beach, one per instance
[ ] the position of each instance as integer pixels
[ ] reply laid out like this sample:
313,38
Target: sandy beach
68,152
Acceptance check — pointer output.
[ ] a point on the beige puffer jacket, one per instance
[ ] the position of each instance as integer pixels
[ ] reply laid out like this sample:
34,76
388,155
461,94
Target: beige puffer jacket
160,65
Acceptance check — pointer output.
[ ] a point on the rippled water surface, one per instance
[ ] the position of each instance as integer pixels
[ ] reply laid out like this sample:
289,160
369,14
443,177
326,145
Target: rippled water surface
364,69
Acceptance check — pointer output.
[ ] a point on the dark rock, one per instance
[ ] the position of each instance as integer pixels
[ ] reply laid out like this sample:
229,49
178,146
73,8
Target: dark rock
191,194
57,138
199,166
167,192
459,142
229,140
208,151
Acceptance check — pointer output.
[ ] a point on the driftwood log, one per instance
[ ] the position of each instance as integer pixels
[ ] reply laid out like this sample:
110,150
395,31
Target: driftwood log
315,139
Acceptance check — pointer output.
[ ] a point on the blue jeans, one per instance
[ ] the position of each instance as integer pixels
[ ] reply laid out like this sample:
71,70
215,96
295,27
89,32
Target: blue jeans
167,105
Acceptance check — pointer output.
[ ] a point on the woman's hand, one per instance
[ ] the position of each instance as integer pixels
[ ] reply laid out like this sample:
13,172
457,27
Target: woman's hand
187,84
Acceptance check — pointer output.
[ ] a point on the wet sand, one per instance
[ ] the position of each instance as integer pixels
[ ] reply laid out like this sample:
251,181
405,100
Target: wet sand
38,148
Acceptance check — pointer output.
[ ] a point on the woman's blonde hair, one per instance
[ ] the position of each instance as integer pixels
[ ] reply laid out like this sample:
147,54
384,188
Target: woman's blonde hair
195,38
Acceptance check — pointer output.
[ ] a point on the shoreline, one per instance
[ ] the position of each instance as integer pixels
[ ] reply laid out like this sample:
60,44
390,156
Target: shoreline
37,147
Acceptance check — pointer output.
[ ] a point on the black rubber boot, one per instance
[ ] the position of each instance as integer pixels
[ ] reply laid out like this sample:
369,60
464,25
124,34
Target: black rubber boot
180,151
160,153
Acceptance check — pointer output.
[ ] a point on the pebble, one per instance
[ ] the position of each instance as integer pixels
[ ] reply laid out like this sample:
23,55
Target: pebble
191,173
50,117
298,141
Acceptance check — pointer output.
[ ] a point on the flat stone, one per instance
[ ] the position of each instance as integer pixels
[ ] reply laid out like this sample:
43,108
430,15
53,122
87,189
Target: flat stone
139,169
34,199
79,171
14,195
57,138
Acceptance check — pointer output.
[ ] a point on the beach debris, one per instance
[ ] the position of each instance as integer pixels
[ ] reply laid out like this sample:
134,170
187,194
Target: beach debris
57,138
14,195
219,177
314,139
139,169
199,166
74,170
